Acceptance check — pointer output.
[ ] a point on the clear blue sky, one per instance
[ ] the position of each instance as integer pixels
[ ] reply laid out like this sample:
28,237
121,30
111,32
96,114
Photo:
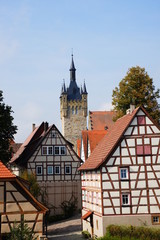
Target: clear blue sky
107,37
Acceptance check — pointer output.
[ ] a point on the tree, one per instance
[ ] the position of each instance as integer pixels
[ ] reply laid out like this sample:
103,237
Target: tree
34,187
136,88
21,231
7,130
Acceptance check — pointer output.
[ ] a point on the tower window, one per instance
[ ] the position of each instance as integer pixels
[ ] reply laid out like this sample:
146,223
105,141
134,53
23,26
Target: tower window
76,112
72,110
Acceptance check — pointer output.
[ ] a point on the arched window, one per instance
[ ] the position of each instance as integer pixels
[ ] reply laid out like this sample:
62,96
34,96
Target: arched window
68,110
76,111
72,110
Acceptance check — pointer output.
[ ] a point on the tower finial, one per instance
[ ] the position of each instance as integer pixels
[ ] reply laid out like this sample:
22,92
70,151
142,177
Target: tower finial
72,71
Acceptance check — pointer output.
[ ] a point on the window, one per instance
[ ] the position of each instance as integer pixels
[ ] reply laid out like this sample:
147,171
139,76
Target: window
97,201
76,111
72,110
67,169
50,170
60,150
143,150
56,169
63,150
123,173
47,150
141,120
155,219
39,170
54,134
125,199
84,195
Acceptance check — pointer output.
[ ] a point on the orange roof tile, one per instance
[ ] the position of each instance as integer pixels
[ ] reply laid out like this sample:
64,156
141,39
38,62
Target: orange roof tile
99,120
5,172
79,147
105,147
93,137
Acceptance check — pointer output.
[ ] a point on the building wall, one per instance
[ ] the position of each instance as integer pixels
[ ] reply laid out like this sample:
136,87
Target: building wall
14,204
73,122
59,186
143,181
138,152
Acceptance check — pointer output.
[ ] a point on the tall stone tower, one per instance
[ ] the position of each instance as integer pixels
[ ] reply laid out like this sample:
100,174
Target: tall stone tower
73,108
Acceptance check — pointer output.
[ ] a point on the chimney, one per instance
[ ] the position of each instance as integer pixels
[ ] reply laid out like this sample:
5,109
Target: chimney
45,126
131,109
33,127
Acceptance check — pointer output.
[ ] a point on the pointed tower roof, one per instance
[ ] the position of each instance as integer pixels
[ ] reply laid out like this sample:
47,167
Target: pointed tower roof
84,88
72,71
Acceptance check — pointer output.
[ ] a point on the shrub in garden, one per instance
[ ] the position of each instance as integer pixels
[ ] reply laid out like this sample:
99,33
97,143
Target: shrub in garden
142,233
86,234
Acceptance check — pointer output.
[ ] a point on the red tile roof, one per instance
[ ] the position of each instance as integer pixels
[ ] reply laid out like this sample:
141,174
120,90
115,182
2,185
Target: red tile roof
93,137
99,120
88,214
108,143
5,172
79,147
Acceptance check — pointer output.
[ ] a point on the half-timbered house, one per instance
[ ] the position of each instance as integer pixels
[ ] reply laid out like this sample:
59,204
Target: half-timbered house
121,178
17,203
51,157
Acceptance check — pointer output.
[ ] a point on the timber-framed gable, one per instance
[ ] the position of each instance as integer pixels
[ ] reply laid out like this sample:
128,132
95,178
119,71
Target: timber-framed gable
129,165
54,162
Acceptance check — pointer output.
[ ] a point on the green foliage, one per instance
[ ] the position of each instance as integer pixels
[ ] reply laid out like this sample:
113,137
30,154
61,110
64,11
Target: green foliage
116,232
33,184
86,234
7,130
21,232
136,88
69,207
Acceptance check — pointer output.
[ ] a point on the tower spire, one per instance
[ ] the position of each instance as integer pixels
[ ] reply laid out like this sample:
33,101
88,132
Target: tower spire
72,71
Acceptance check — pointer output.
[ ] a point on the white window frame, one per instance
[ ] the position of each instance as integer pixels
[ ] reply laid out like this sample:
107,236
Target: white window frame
48,150
69,167
59,170
39,167
125,197
122,169
59,148
155,219
49,173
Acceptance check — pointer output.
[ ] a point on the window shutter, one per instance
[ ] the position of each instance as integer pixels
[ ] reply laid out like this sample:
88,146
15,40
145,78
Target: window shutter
139,150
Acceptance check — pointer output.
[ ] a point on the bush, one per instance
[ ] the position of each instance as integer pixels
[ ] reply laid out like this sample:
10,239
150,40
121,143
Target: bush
69,207
86,234
21,231
130,232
